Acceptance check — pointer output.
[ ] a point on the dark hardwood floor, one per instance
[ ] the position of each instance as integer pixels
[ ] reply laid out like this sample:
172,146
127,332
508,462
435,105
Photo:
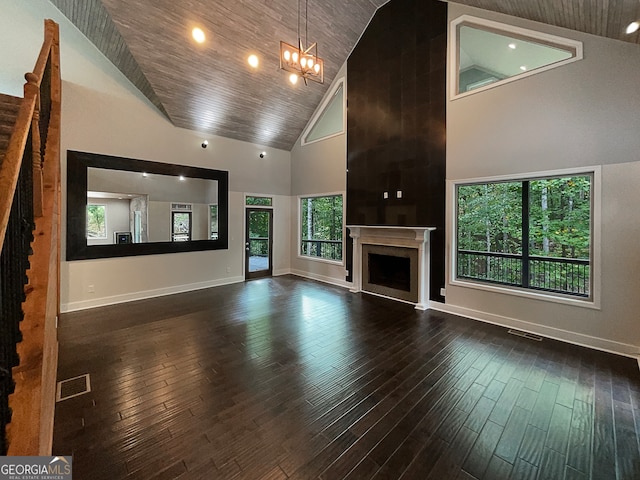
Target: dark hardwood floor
287,378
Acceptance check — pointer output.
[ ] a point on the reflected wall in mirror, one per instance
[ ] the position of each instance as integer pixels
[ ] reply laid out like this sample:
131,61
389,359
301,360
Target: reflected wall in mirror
119,206
489,53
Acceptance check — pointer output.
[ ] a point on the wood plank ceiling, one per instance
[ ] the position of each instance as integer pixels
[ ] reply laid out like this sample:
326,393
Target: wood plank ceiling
210,88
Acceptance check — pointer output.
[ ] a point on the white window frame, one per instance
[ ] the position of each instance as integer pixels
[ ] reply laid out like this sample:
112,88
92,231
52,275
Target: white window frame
503,28
593,301
322,108
299,230
106,227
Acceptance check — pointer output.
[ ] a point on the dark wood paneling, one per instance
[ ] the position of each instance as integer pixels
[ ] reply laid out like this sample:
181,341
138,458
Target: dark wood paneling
288,378
396,123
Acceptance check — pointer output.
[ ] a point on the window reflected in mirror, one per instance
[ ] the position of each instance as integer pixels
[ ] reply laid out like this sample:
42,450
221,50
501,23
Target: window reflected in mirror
489,54
96,221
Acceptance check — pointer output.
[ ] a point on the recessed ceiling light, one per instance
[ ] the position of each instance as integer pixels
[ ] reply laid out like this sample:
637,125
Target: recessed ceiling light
512,46
198,35
253,61
182,178
293,78
523,68
633,27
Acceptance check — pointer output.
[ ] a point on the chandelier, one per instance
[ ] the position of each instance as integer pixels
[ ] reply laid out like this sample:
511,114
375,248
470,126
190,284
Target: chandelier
302,62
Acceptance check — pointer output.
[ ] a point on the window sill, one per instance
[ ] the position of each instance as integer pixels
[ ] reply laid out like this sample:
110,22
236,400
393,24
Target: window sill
339,263
593,302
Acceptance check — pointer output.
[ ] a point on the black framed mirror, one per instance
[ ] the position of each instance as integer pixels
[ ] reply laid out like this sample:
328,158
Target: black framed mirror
119,207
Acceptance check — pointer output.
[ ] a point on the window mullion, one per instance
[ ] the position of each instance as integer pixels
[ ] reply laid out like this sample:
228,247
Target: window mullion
525,234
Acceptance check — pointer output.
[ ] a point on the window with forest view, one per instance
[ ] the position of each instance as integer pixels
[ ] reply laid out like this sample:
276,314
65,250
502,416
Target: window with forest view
260,201
533,233
96,221
321,227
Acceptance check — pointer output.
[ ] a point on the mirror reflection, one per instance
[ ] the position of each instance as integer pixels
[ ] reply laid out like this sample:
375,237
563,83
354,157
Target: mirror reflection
141,207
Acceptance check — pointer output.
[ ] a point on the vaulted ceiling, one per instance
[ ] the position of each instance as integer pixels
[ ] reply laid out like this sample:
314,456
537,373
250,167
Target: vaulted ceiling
210,88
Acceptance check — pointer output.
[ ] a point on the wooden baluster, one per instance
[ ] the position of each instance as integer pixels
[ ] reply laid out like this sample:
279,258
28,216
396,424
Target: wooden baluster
32,85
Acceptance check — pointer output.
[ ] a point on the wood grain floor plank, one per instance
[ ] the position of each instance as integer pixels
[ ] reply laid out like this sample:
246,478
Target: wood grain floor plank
482,451
514,430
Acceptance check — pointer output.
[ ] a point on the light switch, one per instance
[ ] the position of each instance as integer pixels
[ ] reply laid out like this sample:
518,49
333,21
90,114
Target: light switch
385,195
399,194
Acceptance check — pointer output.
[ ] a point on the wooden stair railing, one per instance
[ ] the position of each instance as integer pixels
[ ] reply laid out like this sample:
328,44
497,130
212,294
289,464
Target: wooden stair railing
30,260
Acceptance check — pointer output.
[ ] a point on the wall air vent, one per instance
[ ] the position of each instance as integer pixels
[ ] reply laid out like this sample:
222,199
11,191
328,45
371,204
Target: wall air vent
528,335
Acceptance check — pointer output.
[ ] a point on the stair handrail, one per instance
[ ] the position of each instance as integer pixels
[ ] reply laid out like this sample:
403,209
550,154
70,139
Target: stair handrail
30,431
28,118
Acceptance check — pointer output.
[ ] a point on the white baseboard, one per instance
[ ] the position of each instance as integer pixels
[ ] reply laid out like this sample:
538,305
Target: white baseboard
583,340
279,273
322,278
159,292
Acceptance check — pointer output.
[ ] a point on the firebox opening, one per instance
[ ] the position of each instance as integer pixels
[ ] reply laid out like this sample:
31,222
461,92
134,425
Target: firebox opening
390,271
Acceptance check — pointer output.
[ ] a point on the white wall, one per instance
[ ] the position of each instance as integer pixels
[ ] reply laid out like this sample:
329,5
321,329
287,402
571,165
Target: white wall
318,168
103,113
581,114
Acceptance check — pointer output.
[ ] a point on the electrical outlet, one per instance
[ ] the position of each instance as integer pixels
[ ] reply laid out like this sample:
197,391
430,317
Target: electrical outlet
399,194
91,289
443,292
385,195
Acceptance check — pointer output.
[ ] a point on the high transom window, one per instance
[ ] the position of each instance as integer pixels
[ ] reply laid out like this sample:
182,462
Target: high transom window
329,120
488,54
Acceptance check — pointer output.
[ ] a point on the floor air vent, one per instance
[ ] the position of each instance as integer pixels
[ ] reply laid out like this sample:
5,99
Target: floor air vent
73,387
528,335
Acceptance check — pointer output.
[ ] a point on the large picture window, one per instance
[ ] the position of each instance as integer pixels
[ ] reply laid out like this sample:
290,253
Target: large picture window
534,234
321,227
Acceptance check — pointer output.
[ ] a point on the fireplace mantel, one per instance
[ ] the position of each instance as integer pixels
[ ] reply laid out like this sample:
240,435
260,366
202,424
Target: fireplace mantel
393,236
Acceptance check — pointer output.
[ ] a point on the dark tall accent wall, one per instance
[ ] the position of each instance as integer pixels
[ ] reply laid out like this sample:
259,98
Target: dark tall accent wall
396,123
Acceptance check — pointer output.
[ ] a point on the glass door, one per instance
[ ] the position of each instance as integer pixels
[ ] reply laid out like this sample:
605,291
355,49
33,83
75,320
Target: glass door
181,226
258,243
